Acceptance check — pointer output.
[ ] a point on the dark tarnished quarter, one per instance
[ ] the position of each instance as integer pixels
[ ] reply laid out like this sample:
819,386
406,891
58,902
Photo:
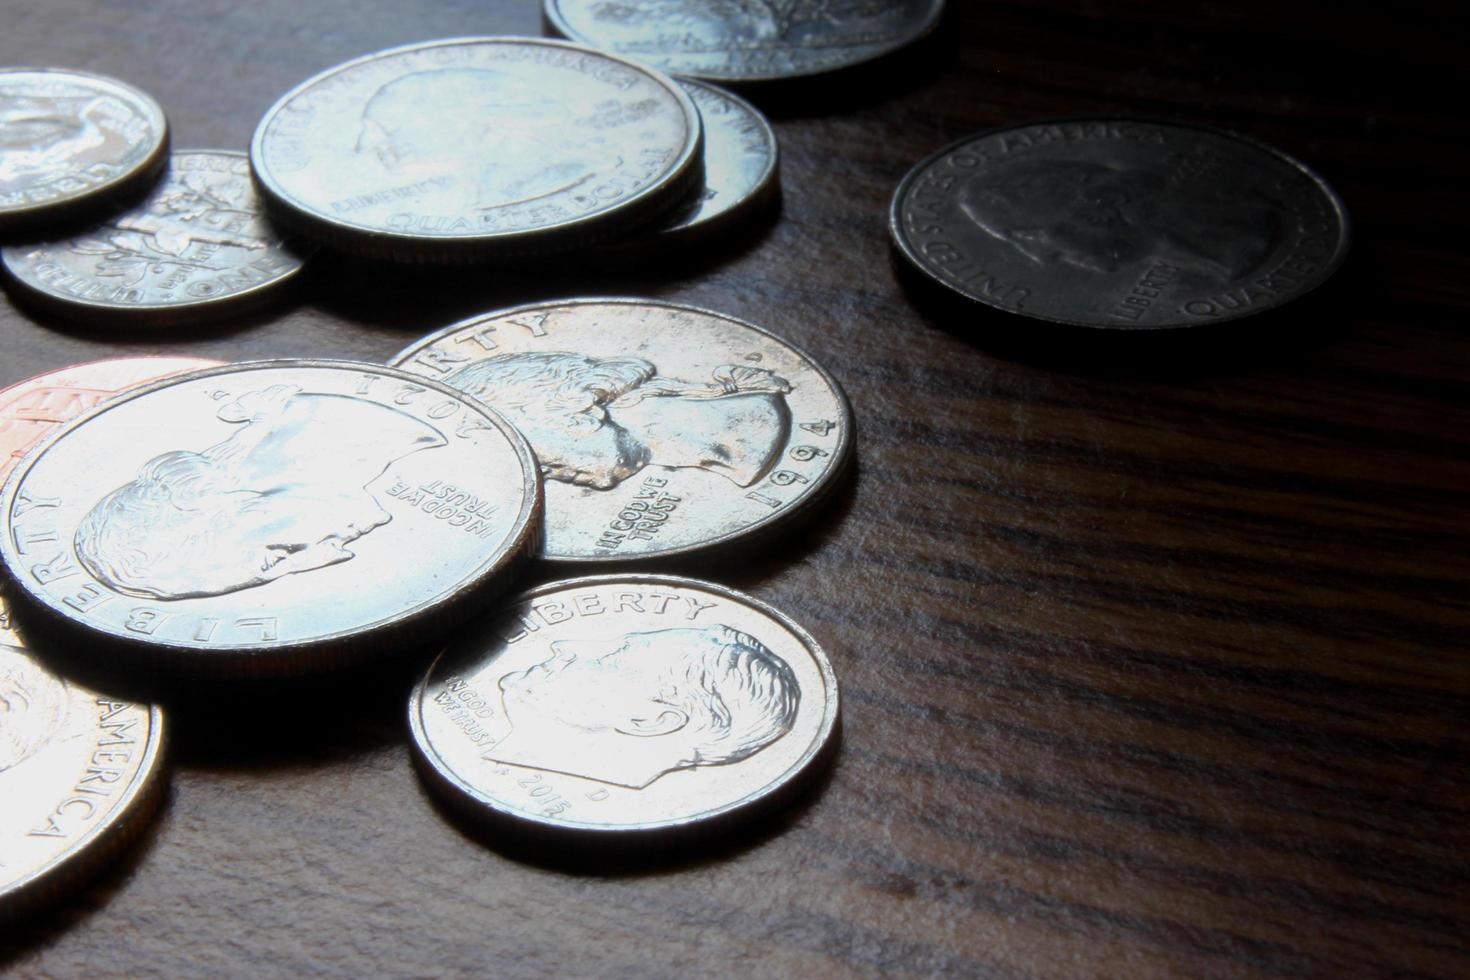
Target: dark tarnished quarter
199,246
746,40
270,518
1119,224
635,706
660,429
477,148
71,141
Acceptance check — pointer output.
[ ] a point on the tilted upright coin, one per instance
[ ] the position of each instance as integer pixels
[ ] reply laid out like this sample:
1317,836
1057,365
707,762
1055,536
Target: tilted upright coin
615,706
746,41
660,429
31,409
477,148
1119,224
80,774
741,160
269,518
198,246
70,141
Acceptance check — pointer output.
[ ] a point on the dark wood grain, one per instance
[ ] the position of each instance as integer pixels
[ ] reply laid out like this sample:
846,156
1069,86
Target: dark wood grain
1147,672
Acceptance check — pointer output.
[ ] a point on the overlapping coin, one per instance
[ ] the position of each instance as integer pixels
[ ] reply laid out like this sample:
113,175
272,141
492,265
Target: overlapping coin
615,706
198,246
269,518
746,42
1119,224
660,429
71,141
477,148
80,774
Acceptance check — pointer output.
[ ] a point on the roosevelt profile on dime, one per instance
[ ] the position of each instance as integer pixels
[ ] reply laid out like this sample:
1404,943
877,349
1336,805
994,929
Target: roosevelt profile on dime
631,709
40,134
285,492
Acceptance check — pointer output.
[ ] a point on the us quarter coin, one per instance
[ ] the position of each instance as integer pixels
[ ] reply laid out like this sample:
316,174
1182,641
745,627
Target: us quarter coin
269,518
31,409
660,429
477,148
1119,224
199,245
741,159
615,706
70,141
748,40
80,773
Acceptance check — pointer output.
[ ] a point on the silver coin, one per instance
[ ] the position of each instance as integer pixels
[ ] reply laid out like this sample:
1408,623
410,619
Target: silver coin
477,148
199,245
70,140
1119,224
614,705
741,159
746,40
660,429
270,518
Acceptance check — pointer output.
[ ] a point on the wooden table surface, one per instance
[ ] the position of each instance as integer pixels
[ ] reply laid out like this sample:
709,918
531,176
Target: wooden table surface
1153,658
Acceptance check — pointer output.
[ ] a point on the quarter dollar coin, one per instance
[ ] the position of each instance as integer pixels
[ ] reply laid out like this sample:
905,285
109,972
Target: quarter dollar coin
616,707
71,142
1119,224
269,518
477,148
660,429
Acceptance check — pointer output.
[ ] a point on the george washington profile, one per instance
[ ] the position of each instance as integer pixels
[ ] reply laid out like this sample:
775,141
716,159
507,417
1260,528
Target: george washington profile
629,710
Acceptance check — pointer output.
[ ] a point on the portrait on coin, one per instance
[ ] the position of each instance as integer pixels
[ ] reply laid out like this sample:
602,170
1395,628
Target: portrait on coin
1103,216
594,422
629,709
285,492
32,706
41,135
723,22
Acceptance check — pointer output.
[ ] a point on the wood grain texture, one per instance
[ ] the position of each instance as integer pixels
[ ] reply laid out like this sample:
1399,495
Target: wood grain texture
1154,659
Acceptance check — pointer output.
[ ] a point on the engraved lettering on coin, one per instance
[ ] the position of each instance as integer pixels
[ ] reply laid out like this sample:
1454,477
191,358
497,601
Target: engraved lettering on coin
746,39
630,710
32,706
285,493
597,422
740,160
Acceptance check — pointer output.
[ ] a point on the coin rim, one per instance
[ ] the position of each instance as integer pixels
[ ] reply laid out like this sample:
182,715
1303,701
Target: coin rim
675,185
762,195
910,254
442,776
317,653
143,174
829,480
158,314
126,818
554,20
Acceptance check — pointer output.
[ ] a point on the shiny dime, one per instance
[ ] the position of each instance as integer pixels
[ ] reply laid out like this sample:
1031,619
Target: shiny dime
80,774
269,518
199,245
740,163
660,429
615,705
31,409
746,40
1119,224
477,148
70,141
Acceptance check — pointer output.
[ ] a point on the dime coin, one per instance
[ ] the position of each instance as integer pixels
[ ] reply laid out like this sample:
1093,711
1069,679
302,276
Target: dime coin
617,704
70,141
746,42
477,148
273,517
31,409
1119,224
198,245
80,774
740,162
660,429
